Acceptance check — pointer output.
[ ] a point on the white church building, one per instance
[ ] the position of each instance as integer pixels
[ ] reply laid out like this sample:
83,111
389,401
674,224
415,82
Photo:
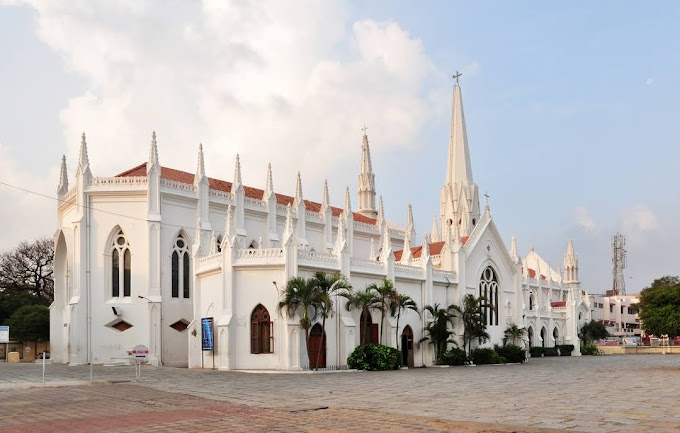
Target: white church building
142,257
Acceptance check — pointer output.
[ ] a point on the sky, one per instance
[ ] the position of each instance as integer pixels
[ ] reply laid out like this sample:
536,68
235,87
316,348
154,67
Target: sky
571,108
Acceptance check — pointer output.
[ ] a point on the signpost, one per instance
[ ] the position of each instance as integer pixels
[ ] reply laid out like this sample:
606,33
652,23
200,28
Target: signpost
4,338
207,338
140,354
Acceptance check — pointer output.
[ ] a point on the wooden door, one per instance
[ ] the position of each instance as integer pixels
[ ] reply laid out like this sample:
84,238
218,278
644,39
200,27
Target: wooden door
317,347
407,346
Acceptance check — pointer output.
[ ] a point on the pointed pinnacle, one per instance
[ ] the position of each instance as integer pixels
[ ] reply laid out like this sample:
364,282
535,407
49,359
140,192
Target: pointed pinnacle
325,201
237,171
298,190
269,189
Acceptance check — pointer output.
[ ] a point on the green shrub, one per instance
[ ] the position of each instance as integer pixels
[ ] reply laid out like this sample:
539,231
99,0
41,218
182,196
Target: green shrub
511,353
589,349
550,351
484,355
536,352
566,349
375,357
454,356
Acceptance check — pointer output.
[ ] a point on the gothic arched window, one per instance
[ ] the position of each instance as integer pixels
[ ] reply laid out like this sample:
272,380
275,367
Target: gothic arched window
121,263
261,331
488,288
181,272
531,302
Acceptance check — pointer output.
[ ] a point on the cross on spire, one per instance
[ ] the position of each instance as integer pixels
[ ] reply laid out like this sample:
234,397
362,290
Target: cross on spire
364,129
486,196
456,76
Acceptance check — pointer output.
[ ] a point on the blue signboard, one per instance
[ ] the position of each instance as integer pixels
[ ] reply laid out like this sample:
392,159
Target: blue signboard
207,333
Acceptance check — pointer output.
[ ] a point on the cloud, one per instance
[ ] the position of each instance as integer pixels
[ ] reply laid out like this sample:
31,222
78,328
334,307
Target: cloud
581,217
649,82
292,82
639,219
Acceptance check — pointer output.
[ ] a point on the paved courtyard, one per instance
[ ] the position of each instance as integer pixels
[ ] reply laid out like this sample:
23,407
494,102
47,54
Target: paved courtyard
630,393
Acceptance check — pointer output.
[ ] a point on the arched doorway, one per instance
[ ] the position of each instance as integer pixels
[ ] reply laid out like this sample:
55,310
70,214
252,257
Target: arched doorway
544,336
366,325
530,334
556,335
407,347
317,347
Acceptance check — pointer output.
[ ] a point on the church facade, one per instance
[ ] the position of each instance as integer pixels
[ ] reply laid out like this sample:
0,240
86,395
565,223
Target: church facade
144,256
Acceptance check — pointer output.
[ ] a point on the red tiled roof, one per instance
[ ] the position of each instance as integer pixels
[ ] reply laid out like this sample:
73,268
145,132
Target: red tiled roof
435,248
532,273
558,304
223,185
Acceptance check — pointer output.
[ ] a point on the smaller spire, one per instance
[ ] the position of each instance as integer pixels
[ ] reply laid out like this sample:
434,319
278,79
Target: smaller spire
387,245
325,201
200,166
83,158
340,240
381,211
288,230
153,153
197,237
406,254
63,177
371,251
269,189
570,246
228,227
298,190
213,243
513,250
487,209
435,229
426,247
409,218
348,204
237,173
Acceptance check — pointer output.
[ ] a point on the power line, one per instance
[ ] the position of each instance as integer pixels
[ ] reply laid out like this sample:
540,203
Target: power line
57,199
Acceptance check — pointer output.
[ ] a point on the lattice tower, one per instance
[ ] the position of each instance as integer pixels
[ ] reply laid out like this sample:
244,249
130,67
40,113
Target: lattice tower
618,264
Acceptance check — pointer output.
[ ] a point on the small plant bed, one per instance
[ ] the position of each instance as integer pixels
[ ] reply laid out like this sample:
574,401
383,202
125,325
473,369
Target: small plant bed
453,356
375,357
589,349
483,356
536,352
512,354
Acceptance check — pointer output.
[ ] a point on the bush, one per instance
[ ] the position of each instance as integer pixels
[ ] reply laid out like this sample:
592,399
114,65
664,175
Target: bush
566,349
536,352
511,353
375,357
589,349
454,356
485,355
550,351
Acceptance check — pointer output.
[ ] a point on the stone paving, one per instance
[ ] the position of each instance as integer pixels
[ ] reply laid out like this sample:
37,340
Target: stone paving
628,393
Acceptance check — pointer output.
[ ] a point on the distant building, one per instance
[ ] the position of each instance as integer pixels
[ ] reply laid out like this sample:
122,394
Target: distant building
618,313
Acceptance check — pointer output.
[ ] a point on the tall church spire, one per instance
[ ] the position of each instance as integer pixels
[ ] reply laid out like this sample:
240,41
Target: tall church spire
366,181
571,264
459,168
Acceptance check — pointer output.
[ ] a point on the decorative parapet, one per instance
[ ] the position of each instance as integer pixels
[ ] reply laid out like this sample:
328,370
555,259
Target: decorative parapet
365,227
119,181
313,216
209,263
399,267
173,184
216,193
281,208
417,262
315,256
258,253
70,194
450,275
366,263
250,201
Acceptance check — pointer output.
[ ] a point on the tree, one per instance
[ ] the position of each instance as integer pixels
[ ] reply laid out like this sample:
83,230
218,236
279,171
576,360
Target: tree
438,331
660,307
473,321
513,333
387,295
300,293
365,301
30,323
12,300
402,303
326,287
592,331
29,267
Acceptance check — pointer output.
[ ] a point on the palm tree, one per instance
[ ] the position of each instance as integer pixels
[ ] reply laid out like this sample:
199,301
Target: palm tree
387,295
326,287
365,301
473,321
402,303
439,333
513,333
300,293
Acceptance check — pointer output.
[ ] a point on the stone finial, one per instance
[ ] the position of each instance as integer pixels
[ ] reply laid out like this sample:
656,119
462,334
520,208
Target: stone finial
426,247
348,204
435,229
200,166
381,211
153,153
371,251
298,191
288,230
213,244
229,231
325,201
513,250
409,218
269,189
83,158
387,244
237,173
62,188
340,240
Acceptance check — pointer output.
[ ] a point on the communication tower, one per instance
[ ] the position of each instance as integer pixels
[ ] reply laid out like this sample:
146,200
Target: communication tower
618,264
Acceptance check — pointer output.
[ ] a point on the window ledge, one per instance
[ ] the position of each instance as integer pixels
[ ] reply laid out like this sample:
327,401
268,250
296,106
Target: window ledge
120,300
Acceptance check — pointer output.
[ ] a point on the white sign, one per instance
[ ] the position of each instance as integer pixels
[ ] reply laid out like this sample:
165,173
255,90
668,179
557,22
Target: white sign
4,334
140,353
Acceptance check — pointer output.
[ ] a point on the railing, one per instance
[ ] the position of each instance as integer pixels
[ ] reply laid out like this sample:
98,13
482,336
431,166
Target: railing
316,256
443,274
221,194
313,216
211,261
259,253
365,226
127,180
255,202
417,262
281,208
69,195
408,269
174,184
366,263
